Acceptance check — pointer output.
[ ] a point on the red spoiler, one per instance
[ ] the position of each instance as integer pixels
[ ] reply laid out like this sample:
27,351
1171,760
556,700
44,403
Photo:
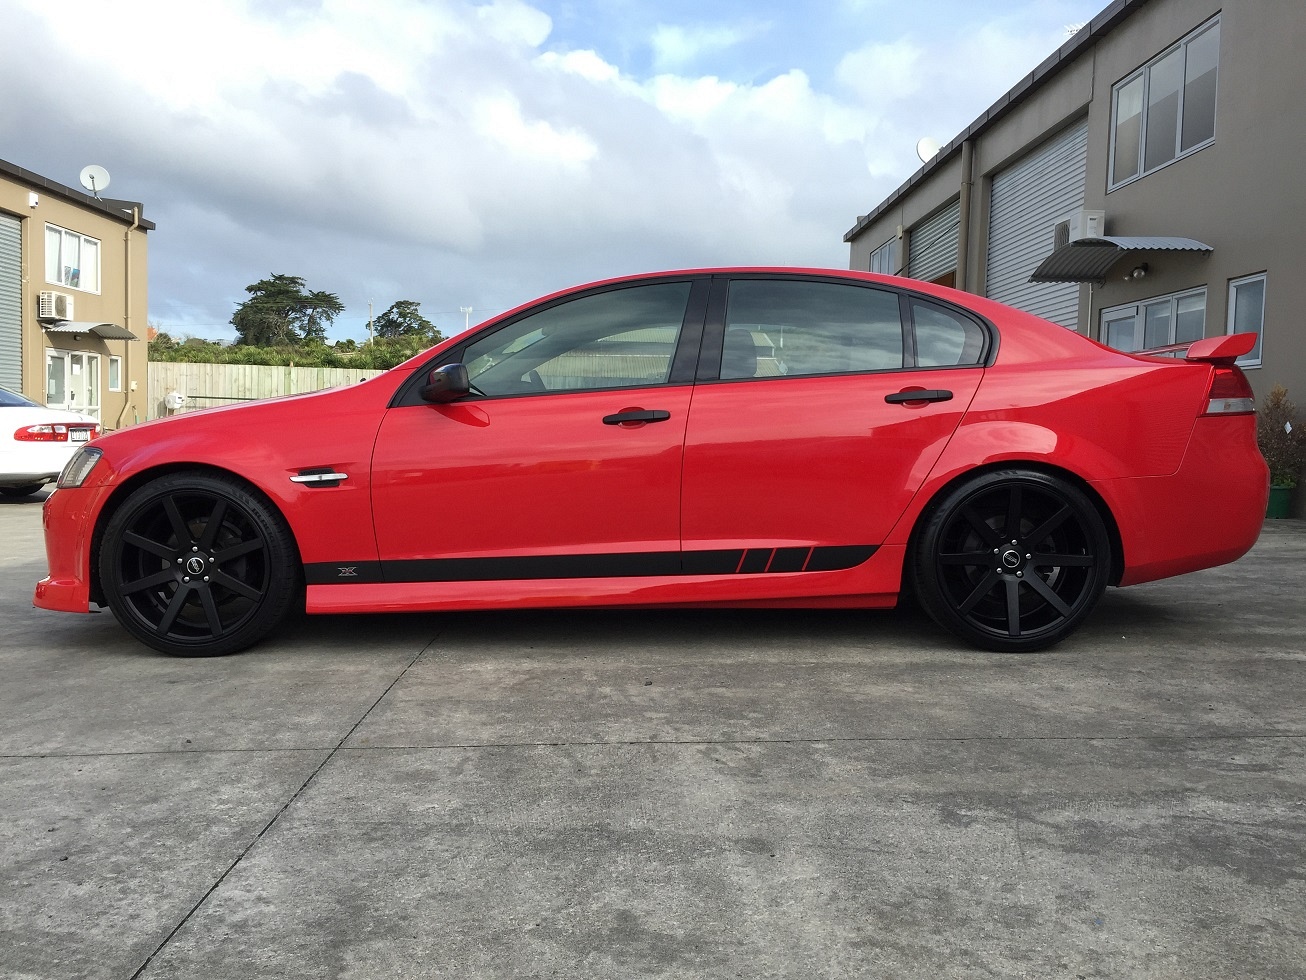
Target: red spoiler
1214,349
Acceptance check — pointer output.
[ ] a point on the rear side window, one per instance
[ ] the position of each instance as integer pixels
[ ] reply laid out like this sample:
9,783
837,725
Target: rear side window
780,328
945,338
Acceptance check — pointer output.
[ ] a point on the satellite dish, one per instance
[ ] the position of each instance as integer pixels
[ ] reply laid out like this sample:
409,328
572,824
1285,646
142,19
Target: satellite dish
95,179
926,148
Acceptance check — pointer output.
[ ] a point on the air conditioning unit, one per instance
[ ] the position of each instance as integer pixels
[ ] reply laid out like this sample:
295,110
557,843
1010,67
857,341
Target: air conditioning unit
54,306
1081,224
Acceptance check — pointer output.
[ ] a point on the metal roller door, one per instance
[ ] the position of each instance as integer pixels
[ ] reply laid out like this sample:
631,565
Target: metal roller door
1028,198
11,303
933,247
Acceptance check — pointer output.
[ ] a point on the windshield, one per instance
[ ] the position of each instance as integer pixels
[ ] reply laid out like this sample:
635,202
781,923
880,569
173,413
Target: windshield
12,399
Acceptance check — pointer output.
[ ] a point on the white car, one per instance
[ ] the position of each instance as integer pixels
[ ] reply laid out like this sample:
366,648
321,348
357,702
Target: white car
36,442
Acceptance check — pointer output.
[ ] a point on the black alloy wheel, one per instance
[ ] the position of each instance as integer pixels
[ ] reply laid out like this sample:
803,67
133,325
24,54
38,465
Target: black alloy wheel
1013,560
198,565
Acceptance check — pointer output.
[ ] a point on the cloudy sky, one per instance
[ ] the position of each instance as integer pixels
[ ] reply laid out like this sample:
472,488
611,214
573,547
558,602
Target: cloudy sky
471,153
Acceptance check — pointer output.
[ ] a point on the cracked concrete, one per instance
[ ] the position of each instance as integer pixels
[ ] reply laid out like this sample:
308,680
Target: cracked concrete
652,794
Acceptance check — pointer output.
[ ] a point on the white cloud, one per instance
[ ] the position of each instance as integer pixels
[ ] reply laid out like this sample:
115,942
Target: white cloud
459,148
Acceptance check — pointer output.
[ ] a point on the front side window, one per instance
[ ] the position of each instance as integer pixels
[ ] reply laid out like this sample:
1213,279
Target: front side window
622,338
1166,109
787,327
1179,318
1247,313
71,259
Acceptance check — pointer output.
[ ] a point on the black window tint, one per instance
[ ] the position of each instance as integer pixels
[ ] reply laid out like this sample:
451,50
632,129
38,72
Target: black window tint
788,327
618,339
945,338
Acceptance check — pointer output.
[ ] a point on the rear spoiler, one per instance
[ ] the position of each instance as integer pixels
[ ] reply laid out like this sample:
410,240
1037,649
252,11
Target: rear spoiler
1216,350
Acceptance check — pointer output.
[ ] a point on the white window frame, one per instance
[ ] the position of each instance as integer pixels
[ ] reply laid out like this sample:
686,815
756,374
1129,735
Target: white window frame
1136,311
115,372
882,259
63,273
1143,72
1252,360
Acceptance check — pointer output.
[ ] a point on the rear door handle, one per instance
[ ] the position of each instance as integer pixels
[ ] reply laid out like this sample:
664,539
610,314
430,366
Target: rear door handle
637,415
919,395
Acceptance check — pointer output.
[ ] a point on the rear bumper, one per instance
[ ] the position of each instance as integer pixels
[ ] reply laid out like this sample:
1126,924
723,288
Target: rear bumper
1208,512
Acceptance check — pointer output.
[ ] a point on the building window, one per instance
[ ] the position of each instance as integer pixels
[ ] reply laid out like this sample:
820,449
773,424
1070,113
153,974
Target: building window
115,374
1247,313
882,259
71,259
1166,109
1179,318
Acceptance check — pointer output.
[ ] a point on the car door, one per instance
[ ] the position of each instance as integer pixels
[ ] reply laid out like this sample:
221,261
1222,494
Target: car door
822,407
565,462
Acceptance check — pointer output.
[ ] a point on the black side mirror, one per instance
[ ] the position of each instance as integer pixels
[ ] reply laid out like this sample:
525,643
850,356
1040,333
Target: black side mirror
446,383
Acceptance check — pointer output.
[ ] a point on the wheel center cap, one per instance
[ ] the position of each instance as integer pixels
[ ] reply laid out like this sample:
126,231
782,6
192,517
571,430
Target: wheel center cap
195,565
1011,559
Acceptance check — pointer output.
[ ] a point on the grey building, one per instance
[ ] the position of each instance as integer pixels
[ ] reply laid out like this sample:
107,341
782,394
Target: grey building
1141,186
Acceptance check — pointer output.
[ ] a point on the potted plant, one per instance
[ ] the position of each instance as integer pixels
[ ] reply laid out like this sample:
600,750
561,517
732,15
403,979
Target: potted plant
1282,438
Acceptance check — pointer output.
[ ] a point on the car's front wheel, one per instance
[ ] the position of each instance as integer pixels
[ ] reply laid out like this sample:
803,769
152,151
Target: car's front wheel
198,565
1013,560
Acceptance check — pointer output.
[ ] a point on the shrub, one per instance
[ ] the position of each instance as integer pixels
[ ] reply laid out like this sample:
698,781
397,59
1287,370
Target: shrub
1282,437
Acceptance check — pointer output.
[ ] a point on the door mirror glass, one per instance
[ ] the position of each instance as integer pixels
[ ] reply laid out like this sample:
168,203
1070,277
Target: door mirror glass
446,383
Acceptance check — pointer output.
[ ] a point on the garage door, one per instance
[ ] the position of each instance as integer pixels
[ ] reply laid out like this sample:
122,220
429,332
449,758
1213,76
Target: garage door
11,304
1027,199
933,247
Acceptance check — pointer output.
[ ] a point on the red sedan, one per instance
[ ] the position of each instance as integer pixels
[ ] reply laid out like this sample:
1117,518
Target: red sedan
734,437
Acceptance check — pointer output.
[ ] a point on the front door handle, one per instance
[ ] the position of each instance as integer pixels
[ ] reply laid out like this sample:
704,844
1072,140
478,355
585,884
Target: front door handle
636,415
918,395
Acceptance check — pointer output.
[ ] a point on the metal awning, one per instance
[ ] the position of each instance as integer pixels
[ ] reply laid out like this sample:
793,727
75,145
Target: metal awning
1089,259
108,331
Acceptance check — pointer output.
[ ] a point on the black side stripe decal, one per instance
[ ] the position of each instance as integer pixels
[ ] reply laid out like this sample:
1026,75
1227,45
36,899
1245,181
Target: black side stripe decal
654,564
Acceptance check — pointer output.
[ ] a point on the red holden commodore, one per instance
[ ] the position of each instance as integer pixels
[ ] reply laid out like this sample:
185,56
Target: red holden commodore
730,437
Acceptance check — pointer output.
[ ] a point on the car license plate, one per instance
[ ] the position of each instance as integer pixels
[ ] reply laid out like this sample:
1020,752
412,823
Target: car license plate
79,435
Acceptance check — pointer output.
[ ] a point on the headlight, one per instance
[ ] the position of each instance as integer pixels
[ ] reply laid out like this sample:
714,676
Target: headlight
79,467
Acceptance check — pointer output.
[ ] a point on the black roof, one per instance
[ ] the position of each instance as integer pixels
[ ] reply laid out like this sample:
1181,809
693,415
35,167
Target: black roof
121,210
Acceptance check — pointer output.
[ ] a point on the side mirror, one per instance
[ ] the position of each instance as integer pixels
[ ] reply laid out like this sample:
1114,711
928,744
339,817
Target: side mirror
446,383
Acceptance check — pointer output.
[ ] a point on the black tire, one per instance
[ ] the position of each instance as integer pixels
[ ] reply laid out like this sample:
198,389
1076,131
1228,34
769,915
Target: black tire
198,565
24,491
1013,560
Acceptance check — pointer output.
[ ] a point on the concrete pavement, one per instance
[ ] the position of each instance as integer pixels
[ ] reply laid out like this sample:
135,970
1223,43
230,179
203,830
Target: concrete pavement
661,794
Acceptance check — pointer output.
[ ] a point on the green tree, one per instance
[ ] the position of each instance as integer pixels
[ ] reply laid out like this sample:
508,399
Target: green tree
404,320
280,312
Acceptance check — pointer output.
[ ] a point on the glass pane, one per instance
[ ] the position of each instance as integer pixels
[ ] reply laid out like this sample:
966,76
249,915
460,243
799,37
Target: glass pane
944,338
54,381
1190,318
72,260
1199,88
53,265
1120,332
805,328
1249,313
1156,325
115,374
91,265
1163,81
619,339
1129,119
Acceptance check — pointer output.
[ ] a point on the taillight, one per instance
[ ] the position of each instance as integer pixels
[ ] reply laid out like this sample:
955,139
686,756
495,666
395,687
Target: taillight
56,432
1231,393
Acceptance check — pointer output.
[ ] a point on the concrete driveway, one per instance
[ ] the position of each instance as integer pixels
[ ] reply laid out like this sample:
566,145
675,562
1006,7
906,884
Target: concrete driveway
661,794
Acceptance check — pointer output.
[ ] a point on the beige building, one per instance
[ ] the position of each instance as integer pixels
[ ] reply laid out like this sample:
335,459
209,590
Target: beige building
1140,186
72,298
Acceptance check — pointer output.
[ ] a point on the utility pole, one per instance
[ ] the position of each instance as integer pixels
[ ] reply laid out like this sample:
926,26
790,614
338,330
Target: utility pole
371,338
467,316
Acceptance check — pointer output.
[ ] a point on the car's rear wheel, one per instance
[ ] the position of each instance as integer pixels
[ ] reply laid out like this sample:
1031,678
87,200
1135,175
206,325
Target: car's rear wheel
198,565
1013,560
26,490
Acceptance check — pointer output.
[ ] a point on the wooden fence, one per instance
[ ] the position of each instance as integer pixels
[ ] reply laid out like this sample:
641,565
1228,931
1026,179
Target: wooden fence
207,385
